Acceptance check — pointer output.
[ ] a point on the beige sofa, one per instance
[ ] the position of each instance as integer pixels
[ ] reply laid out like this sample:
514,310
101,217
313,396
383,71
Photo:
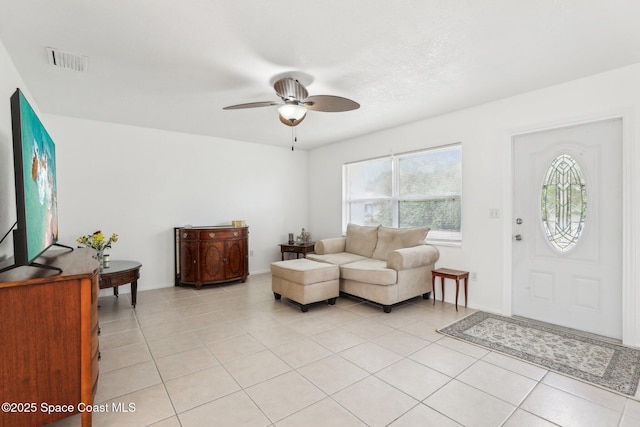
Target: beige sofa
381,264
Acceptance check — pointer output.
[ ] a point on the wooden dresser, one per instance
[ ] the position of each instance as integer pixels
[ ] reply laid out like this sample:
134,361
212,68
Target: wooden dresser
49,339
206,255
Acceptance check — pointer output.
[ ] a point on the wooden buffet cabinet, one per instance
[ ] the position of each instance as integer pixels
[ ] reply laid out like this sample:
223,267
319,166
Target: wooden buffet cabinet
49,339
207,255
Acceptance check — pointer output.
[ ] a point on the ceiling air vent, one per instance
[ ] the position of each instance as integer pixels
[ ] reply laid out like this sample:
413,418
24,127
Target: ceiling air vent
66,60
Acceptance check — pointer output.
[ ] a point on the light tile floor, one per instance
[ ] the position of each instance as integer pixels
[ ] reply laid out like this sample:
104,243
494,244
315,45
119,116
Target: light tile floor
232,355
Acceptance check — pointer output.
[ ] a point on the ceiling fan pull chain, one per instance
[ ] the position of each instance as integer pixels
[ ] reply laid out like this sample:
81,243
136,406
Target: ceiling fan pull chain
294,136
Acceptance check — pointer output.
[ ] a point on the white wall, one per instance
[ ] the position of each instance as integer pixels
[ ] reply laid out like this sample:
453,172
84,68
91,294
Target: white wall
485,132
141,182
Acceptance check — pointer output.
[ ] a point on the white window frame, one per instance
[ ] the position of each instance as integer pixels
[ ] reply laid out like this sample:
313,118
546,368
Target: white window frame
435,237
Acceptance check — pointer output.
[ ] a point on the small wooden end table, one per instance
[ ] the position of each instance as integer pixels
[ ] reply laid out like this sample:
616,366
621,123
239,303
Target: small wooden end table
120,273
297,248
447,273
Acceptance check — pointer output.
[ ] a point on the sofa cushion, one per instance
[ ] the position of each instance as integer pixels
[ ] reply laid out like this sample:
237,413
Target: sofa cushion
390,239
304,271
361,239
369,271
336,258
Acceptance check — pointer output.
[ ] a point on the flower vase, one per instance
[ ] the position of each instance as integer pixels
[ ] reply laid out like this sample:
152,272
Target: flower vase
100,256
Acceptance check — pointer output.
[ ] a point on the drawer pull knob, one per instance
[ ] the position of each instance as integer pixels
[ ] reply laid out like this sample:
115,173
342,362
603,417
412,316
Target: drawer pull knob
212,234
185,235
235,233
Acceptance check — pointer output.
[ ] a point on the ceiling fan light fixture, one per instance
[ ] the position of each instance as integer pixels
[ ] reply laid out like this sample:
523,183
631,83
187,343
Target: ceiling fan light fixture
295,102
292,113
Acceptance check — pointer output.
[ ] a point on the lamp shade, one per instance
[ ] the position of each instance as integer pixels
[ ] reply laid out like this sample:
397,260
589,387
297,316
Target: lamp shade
291,114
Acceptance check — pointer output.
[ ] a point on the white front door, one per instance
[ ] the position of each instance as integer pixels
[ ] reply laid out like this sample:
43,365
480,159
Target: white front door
567,246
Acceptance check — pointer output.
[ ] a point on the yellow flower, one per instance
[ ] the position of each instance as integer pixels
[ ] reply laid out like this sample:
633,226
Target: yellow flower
97,240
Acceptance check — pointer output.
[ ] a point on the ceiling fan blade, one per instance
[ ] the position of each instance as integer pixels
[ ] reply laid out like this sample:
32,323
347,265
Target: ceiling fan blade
253,105
289,89
329,103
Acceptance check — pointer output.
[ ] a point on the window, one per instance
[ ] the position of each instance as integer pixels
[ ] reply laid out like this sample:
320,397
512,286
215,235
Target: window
564,203
407,190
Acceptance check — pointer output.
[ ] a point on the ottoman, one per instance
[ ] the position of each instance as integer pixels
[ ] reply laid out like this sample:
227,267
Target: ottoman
305,281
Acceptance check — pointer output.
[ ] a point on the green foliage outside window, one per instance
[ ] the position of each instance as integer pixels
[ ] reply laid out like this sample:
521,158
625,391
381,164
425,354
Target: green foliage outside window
438,214
409,190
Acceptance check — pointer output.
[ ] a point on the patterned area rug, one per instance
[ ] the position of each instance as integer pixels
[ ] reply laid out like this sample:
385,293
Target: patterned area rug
597,361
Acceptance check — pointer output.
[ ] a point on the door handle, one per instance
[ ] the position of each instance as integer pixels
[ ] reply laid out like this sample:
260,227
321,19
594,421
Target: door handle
518,237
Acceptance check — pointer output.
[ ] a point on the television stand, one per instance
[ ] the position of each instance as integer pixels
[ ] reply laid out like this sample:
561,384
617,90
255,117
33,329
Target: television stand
52,356
32,264
48,267
62,246
38,265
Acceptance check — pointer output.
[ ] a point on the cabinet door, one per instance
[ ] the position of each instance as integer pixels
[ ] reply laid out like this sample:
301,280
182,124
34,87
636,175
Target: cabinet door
236,258
188,261
212,256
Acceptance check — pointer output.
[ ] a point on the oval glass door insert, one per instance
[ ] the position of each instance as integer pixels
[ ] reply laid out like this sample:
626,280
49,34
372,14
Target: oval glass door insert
563,203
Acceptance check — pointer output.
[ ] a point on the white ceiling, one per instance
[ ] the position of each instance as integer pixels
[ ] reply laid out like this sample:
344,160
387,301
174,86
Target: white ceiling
174,65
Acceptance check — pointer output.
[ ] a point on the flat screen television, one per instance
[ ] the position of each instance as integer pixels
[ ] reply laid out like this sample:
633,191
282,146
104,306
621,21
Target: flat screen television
34,158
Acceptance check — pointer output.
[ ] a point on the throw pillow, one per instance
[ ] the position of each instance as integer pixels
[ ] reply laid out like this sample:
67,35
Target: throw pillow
390,239
361,239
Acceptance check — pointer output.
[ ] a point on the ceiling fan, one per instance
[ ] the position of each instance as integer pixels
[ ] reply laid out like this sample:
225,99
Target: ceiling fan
295,101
